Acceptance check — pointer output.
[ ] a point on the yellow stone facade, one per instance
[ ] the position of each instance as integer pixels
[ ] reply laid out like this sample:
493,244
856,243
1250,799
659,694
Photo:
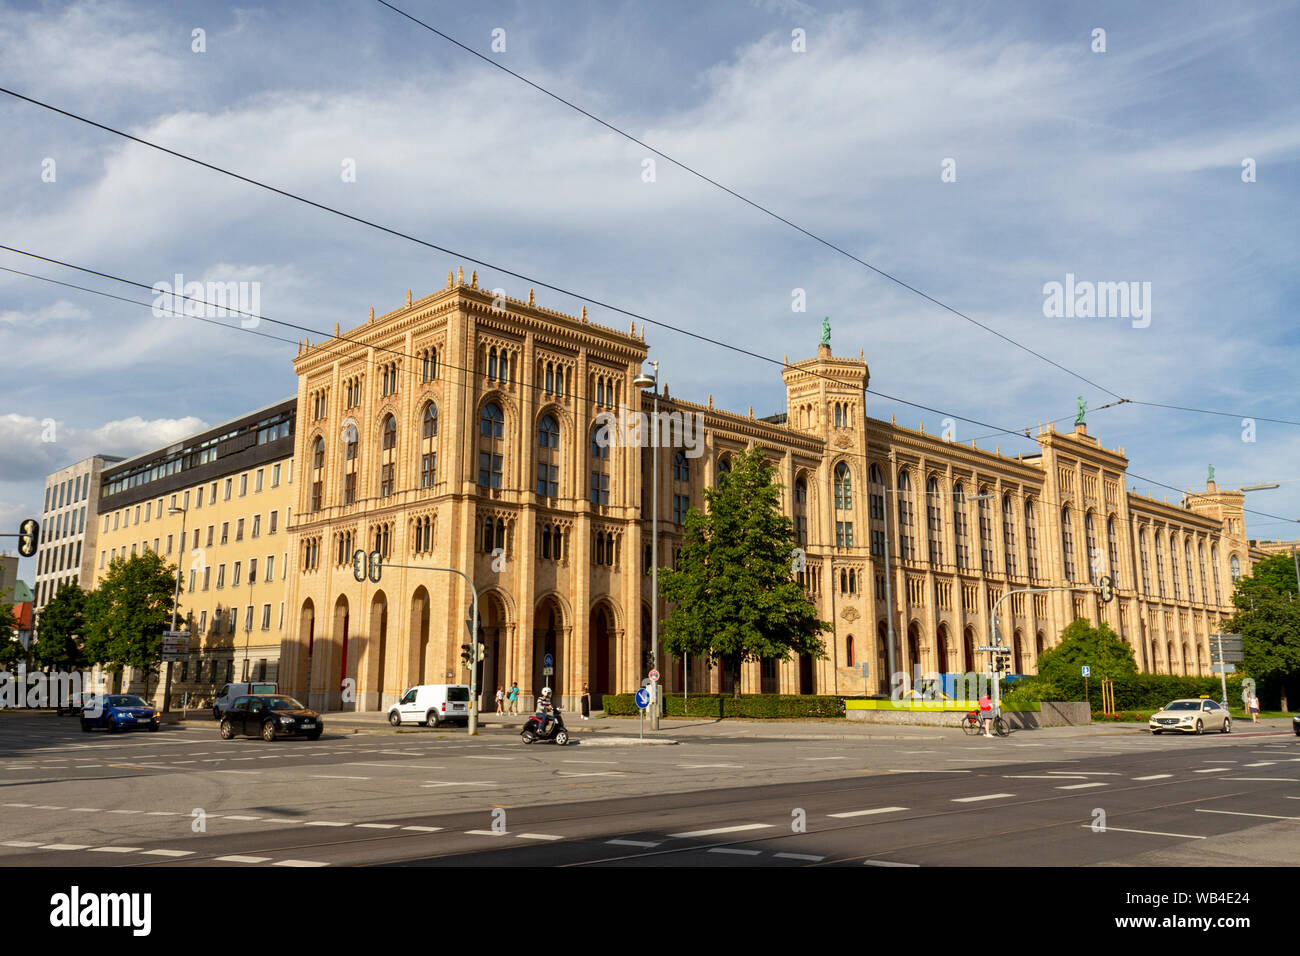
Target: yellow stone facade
395,421
235,485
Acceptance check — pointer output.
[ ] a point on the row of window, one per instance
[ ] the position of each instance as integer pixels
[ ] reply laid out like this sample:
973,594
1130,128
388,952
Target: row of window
66,556
67,492
122,518
261,432
201,575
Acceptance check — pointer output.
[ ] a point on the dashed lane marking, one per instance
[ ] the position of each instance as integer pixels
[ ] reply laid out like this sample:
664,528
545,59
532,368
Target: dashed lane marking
734,851
1239,813
242,859
645,844
1155,776
325,823
377,826
713,832
986,796
423,829
864,813
538,836
1108,828
886,863
66,846
1213,770
1083,786
299,863
810,858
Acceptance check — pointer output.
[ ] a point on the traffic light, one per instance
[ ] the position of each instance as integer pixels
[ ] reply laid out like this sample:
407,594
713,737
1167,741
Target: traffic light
1106,589
376,566
359,564
466,655
28,535
480,651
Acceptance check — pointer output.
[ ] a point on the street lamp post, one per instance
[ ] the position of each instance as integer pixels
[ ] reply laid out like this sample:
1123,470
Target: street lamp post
645,381
176,600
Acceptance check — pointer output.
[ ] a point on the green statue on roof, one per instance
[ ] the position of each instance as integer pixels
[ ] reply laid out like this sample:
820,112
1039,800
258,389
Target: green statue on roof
1083,408
826,330
1211,478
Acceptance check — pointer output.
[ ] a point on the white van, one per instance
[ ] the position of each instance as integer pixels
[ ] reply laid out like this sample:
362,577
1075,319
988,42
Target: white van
229,692
431,705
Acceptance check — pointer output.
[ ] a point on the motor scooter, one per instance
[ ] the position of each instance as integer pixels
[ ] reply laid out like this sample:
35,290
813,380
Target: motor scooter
555,729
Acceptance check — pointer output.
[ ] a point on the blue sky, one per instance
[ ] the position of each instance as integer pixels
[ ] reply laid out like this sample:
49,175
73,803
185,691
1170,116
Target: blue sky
1117,166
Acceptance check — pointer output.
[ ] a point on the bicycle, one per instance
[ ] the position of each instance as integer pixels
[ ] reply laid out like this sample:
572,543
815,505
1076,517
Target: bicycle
971,725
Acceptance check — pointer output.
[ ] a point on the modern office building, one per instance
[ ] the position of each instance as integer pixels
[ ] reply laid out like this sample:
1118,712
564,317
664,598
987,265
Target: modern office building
217,505
470,431
67,541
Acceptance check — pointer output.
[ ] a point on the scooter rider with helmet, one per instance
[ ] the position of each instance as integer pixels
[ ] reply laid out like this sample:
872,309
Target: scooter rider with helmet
544,710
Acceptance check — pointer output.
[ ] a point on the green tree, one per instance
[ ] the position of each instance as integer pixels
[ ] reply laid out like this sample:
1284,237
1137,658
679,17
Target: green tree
127,614
11,651
62,626
733,593
1268,620
1100,648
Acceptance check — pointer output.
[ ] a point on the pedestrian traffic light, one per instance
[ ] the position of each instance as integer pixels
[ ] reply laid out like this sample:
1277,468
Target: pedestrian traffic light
28,535
1106,589
466,654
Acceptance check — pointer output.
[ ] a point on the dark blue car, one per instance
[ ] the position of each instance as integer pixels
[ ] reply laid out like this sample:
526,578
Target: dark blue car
119,712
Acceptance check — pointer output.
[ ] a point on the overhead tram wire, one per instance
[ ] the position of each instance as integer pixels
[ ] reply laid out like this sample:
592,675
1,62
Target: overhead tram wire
1022,433
806,232
752,203
488,265
866,457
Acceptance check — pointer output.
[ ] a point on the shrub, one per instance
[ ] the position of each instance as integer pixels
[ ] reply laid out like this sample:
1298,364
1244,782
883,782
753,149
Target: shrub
724,705
1133,692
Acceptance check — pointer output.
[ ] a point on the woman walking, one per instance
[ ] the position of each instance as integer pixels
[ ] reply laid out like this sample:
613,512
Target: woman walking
586,703
501,700
1252,704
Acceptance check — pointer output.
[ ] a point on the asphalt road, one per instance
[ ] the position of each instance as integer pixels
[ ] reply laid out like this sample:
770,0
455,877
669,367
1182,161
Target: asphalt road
183,796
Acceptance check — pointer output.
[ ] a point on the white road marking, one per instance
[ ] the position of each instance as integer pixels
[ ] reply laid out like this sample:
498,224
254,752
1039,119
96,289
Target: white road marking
864,813
1264,779
886,863
460,783
702,766
1155,776
162,813
1212,770
735,829
1086,773
232,817
22,843
799,856
242,859
986,796
926,771
377,826
641,843
1107,829
480,757
1040,776
114,849
486,832
423,829
334,776
538,836
66,846
236,771
126,811
734,851
404,766
1262,763
1238,813
590,773
1083,786
298,863
825,758
86,810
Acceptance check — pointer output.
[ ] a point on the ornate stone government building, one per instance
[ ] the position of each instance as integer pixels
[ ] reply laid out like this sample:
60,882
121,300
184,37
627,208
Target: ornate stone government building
461,431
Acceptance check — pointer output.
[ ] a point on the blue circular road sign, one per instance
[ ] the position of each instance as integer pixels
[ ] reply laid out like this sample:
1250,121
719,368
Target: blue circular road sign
643,698
548,660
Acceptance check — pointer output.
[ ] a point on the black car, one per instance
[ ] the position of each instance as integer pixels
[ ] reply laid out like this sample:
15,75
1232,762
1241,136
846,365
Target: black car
269,716
1295,724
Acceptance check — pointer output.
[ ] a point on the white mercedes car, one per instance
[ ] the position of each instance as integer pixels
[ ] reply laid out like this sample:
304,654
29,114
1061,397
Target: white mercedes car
1191,716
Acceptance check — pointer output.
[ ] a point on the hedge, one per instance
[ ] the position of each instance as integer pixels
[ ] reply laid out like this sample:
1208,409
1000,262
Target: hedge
724,705
1133,692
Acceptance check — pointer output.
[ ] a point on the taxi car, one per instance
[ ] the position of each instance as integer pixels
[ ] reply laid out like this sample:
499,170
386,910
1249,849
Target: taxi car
1190,715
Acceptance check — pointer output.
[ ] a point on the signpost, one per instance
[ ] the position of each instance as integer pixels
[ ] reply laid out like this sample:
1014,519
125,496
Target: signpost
175,645
1225,648
643,701
1086,672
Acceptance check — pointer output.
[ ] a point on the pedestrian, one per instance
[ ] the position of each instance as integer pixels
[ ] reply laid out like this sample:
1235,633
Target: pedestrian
586,703
513,697
1253,705
501,700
